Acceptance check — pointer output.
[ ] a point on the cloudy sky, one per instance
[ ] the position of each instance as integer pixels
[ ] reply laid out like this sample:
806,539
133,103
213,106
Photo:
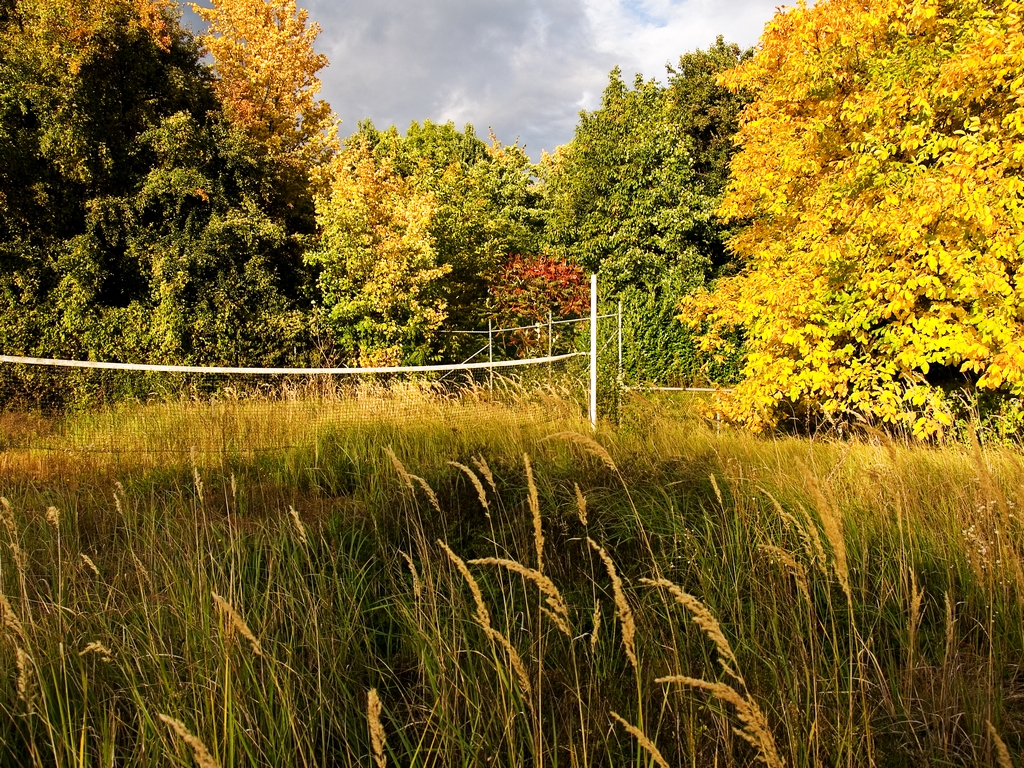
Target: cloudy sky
523,67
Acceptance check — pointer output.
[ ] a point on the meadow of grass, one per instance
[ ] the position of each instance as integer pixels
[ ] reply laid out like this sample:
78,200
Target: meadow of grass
427,582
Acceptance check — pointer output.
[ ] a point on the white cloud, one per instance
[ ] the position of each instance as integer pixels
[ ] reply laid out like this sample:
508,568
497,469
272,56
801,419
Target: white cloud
523,67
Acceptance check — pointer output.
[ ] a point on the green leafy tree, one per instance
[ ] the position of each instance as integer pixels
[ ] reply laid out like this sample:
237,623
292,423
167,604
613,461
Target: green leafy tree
135,222
484,206
633,196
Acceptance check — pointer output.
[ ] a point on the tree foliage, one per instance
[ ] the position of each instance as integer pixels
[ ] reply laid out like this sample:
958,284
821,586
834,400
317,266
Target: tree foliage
482,206
266,76
135,222
881,172
634,197
380,269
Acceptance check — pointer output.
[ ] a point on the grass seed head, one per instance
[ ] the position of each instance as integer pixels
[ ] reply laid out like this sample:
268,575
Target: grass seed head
481,494
202,755
538,530
377,740
621,604
832,524
485,470
559,612
483,618
427,490
642,740
10,619
99,649
417,586
26,689
754,731
237,622
704,619
403,473
53,518
90,564
718,492
589,444
1002,752
581,504
300,529
791,564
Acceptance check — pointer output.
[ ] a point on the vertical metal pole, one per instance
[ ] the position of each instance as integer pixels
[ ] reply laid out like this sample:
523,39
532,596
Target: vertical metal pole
490,355
619,381
620,341
550,340
593,351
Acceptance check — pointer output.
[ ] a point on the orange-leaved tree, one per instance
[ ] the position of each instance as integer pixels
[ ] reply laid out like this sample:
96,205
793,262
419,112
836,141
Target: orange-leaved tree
880,173
266,70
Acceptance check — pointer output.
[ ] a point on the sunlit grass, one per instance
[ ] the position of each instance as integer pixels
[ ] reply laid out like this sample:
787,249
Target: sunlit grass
238,576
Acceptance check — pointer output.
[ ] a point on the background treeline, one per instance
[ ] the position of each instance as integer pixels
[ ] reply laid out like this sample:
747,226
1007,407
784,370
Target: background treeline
158,204
837,218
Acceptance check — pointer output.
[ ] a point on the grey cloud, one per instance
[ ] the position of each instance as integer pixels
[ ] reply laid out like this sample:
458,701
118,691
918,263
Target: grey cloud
523,67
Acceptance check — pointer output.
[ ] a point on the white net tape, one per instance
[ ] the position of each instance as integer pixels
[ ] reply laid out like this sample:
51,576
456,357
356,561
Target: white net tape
284,371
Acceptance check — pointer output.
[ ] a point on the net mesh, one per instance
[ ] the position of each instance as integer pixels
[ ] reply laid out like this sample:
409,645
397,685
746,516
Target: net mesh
103,410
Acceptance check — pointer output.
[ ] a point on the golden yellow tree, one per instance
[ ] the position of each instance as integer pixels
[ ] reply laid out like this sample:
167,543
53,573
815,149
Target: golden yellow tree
379,267
267,80
880,173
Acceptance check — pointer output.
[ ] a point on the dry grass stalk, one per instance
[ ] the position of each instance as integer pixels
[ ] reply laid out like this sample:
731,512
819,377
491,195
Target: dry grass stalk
485,470
417,586
914,619
7,516
373,710
10,619
552,596
811,539
790,563
808,533
198,481
53,518
704,619
597,626
718,492
642,740
237,622
481,494
90,564
403,473
98,648
624,611
300,529
832,524
25,687
755,730
1002,752
591,445
538,530
483,618
950,625
427,490
118,493
202,755
141,568
581,504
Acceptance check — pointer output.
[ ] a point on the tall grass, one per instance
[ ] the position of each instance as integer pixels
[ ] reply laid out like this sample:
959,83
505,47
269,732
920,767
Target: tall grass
457,583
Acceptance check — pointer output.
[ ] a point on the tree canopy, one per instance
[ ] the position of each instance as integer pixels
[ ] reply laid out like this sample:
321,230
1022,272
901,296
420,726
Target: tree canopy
633,196
880,174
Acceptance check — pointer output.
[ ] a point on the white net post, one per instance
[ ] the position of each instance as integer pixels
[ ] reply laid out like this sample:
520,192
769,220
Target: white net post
619,380
593,351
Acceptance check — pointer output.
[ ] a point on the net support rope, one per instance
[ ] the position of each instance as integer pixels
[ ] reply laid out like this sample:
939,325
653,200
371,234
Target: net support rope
283,371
